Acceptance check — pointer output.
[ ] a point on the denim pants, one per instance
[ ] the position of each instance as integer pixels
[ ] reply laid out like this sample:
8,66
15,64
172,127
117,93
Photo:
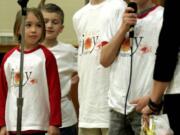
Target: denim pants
72,130
125,125
93,131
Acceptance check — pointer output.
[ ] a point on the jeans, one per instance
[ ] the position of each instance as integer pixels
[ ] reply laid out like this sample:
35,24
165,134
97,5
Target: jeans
72,130
125,125
93,131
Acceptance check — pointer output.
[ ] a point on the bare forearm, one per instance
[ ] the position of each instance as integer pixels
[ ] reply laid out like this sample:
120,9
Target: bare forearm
110,51
158,91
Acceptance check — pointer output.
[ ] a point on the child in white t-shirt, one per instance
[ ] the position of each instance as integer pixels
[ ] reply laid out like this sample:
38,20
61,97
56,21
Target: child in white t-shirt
132,65
66,58
95,25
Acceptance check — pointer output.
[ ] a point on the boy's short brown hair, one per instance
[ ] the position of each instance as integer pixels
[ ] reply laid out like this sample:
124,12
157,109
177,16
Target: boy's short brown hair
53,8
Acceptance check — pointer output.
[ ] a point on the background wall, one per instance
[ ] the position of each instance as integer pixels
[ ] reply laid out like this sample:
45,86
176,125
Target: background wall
8,9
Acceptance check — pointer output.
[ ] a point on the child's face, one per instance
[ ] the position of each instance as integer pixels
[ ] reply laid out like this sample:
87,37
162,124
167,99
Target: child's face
33,30
53,25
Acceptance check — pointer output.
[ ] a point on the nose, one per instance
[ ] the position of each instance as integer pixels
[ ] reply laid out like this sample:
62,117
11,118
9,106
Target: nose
49,24
33,28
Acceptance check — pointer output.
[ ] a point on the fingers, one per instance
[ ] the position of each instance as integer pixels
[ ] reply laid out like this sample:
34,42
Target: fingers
129,10
140,103
130,14
146,110
129,19
134,101
145,119
137,105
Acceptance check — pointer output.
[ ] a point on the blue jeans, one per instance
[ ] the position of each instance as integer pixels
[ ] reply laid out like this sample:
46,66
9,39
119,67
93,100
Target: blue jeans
72,130
121,125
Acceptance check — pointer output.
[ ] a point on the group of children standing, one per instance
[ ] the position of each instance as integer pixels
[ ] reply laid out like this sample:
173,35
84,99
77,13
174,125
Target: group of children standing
114,73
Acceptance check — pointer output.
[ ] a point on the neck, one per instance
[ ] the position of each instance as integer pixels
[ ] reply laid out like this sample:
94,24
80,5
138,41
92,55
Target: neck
49,43
145,7
30,47
96,2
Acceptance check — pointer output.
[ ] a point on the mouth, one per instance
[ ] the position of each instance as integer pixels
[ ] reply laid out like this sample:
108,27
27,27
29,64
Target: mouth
33,37
49,31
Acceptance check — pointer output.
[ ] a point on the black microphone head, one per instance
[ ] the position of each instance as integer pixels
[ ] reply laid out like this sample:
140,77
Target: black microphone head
133,5
23,3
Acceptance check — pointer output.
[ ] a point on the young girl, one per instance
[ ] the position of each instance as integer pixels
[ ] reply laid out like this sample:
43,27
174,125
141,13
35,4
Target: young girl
41,88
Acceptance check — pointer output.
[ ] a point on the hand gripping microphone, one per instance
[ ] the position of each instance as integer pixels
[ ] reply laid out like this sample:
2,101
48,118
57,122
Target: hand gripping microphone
134,6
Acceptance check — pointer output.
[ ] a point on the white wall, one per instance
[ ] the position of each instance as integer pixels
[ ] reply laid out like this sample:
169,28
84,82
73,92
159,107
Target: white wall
8,9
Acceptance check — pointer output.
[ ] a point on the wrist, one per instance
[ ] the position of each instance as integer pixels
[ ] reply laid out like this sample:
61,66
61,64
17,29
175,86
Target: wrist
154,106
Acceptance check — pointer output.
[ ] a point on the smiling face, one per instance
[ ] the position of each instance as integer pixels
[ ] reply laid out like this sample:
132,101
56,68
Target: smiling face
53,25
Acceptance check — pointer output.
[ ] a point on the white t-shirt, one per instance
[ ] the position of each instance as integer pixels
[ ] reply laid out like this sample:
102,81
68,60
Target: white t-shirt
146,34
66,58
95,24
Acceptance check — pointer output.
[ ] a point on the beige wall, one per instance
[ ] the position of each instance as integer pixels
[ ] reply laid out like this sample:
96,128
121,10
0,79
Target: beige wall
8,9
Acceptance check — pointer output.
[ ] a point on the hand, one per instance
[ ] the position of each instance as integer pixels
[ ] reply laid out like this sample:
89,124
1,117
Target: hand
146,110
74,78
52,130
145,121
3,131
129,18
140,103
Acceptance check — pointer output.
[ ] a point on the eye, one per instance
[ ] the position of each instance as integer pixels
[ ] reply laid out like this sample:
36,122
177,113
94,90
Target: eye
28,25
39,25
55,22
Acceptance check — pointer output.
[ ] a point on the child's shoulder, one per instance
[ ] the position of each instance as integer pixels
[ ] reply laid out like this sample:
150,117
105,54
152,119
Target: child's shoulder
81,11
117,4
9,53
67,47
12,50
46,51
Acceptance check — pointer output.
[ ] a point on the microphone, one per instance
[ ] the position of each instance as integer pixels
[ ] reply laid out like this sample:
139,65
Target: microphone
23,4
134,6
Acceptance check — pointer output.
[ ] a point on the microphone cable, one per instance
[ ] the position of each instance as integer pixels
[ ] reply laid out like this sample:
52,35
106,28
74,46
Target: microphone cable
131,36
130,79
